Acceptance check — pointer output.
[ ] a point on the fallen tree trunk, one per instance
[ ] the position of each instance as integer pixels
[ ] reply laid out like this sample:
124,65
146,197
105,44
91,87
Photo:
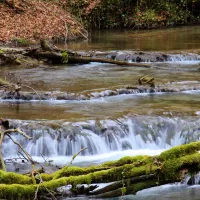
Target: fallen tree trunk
130,174
124,183
51,54
131,189
56,56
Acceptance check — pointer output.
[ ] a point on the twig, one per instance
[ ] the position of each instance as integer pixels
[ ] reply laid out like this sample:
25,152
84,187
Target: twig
1,156
75,156
44,158
18,131
66,32
41,182
19,145
23,155
33,90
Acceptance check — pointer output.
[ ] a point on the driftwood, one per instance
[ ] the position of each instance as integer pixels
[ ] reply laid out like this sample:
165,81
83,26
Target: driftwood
51,54
129,174
56,57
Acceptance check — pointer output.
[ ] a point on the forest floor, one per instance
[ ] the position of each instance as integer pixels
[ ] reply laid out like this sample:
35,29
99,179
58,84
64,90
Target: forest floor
29,21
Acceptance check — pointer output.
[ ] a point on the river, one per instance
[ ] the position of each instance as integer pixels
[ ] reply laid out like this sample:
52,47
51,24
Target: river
127,124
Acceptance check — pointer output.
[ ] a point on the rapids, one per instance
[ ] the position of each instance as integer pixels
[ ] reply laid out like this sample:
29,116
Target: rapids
113,126
105,139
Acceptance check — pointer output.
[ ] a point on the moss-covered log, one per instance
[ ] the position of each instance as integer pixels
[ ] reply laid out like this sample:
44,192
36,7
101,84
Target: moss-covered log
129,174
54,55
64,56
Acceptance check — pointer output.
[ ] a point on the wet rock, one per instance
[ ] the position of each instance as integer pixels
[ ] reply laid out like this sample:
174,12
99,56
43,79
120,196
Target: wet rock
126,145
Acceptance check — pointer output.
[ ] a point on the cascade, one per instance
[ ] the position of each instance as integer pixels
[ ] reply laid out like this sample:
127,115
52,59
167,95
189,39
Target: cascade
100,137
192,179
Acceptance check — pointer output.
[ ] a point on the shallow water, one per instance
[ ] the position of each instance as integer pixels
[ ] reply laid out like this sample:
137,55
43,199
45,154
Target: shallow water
181,104
91,78
180,38
87,79
165,192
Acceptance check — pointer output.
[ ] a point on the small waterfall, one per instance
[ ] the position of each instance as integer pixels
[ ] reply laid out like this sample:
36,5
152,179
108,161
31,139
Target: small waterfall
100,137
153,56
183,57
192,179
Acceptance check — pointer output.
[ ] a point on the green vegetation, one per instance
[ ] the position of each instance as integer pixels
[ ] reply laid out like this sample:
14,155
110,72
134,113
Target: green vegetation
64,57
98,14
179,151
167,168
2,51
143,13
22,41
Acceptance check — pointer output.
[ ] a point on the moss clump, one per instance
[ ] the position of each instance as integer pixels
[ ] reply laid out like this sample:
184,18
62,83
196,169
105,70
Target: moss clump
179,151
127,160
15,186
74,171
16,191
3,82
10,178
65,57
171,167
2,51
143,185
23,41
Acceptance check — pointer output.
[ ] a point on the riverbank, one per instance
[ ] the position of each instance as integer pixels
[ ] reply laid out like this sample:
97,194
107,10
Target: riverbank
26,22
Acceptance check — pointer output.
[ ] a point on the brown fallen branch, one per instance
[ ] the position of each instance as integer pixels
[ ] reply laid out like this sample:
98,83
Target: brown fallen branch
56,57
41,183
20,146
131,188
52,54
105,60
120,184
7,132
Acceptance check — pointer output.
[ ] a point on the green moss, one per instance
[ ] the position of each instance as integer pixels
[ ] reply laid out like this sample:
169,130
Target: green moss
74,171
178,151
111,167
3,82
46,177
18,61
23,41
2,51
16,191
15,186
65,57
109,175
10,177
143,185
127,160
171,167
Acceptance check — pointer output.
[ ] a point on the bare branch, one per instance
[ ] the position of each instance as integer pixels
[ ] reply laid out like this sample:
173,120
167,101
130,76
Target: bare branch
18,131
40,183
33,90
20,146
76,156
3,166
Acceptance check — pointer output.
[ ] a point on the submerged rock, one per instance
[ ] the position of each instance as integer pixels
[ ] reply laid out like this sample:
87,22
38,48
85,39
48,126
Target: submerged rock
142,56
172,87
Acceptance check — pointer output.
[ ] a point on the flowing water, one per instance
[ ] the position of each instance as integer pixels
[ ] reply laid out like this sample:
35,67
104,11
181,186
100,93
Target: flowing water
113,126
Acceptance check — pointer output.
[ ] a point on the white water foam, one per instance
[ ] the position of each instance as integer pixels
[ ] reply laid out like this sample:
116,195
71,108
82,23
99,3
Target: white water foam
99,158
